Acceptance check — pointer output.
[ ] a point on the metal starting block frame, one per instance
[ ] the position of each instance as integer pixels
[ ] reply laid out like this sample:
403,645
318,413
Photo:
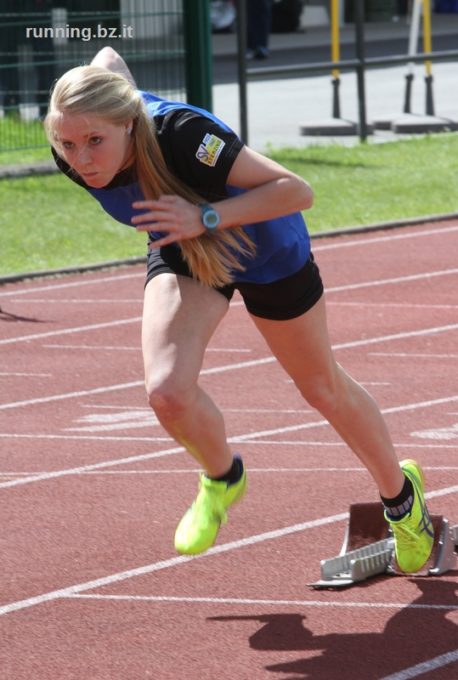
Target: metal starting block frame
368,549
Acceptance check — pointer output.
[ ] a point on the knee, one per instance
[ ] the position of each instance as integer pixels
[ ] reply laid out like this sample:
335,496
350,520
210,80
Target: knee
323,394
168,399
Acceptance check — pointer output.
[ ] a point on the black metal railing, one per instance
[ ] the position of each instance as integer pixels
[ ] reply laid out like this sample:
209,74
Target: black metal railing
36,47
358,65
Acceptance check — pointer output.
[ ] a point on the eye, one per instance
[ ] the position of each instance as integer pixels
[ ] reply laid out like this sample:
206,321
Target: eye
67,145
94,141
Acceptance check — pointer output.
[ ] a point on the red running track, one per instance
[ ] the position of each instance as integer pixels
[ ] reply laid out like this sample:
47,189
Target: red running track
91,487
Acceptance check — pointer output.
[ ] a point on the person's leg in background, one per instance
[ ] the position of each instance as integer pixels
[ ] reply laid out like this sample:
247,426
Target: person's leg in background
259,19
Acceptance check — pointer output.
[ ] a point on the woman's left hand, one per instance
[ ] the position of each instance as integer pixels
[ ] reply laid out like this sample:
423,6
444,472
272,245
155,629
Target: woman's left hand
171,214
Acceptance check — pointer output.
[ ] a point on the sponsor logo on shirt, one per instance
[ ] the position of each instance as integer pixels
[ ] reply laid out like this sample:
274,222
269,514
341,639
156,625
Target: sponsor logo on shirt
209,149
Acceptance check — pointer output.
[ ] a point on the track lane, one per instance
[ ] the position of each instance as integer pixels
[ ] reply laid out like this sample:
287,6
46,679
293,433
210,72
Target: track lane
47,544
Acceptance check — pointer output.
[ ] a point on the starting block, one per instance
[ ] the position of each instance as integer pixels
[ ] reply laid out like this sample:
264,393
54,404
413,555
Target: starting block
368,549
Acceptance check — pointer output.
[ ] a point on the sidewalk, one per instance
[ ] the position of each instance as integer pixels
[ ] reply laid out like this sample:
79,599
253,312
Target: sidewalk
278,108
225,44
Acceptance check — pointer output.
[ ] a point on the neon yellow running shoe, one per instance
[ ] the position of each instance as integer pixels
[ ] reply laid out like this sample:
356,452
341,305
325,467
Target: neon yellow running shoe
414,533
199,527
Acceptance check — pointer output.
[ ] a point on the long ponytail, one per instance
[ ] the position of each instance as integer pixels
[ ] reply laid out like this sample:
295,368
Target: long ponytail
90,89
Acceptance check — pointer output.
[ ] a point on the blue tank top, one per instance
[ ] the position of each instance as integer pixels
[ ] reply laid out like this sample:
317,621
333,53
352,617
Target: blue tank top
200,150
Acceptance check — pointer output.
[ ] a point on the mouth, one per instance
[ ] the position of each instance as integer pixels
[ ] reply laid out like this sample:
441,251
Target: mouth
89,174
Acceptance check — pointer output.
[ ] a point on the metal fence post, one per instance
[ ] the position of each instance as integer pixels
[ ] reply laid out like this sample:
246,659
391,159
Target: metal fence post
197,36
241,68
360,69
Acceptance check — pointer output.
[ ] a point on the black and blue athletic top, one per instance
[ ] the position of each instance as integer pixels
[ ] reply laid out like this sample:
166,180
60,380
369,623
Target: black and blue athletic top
200,150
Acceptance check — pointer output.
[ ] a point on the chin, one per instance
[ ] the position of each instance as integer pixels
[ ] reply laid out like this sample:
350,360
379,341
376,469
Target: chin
97,182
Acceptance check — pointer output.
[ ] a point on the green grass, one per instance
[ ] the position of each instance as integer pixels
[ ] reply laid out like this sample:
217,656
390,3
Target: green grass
15,134
25,155
49,222
372,183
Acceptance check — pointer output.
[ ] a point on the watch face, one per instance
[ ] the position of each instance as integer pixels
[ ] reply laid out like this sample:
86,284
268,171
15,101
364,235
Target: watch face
210,218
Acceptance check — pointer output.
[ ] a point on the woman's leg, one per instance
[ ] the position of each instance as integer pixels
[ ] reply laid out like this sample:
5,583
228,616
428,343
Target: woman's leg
303,348
179,318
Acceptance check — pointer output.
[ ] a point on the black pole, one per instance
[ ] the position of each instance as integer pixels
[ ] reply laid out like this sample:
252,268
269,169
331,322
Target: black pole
197,35
241,68
429,106
408,92
360,69
335,98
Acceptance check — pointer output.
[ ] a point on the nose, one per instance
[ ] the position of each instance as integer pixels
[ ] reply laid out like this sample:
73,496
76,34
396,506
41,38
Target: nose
85,156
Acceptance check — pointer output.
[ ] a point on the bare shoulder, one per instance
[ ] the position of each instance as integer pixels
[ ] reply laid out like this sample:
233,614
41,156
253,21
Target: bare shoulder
108,58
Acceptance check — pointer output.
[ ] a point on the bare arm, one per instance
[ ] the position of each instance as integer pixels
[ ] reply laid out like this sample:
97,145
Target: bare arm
272,191
108,58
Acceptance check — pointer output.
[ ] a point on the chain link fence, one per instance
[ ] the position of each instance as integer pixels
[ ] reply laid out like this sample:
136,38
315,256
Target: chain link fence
41,39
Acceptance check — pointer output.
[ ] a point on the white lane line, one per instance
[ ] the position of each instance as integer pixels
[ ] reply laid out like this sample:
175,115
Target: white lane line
308,442
82,301
72,395
116,348
337,243
127,413
413,355
424,667
82,281
251,470
117,407
151,439
129,385
67,331
114,420
449,432
142,425
438,493
230,367
236,350
409,305
135,348
321,423
397,279
179,560
26,375
268,603
396,336
232,440
167,564
193,471
251,442
375,383
55,474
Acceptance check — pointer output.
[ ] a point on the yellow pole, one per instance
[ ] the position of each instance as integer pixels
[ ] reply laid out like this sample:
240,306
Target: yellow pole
335,46
427,41
428,47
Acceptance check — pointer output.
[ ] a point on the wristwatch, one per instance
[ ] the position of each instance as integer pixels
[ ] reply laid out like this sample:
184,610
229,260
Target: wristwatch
210,218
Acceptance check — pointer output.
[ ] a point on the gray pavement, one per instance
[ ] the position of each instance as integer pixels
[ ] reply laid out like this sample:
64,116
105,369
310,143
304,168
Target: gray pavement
278,108
225,44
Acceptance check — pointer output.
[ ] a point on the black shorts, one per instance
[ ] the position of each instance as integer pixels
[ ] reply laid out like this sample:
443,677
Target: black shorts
281,300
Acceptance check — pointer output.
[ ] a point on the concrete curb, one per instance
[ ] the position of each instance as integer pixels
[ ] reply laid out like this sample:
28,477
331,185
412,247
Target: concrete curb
381,226
28,170
385,226
82,269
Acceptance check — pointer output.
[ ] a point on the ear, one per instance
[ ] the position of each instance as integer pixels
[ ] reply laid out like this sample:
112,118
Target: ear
128,126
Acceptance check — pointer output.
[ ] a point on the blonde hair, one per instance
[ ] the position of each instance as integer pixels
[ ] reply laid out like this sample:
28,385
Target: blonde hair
98,91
